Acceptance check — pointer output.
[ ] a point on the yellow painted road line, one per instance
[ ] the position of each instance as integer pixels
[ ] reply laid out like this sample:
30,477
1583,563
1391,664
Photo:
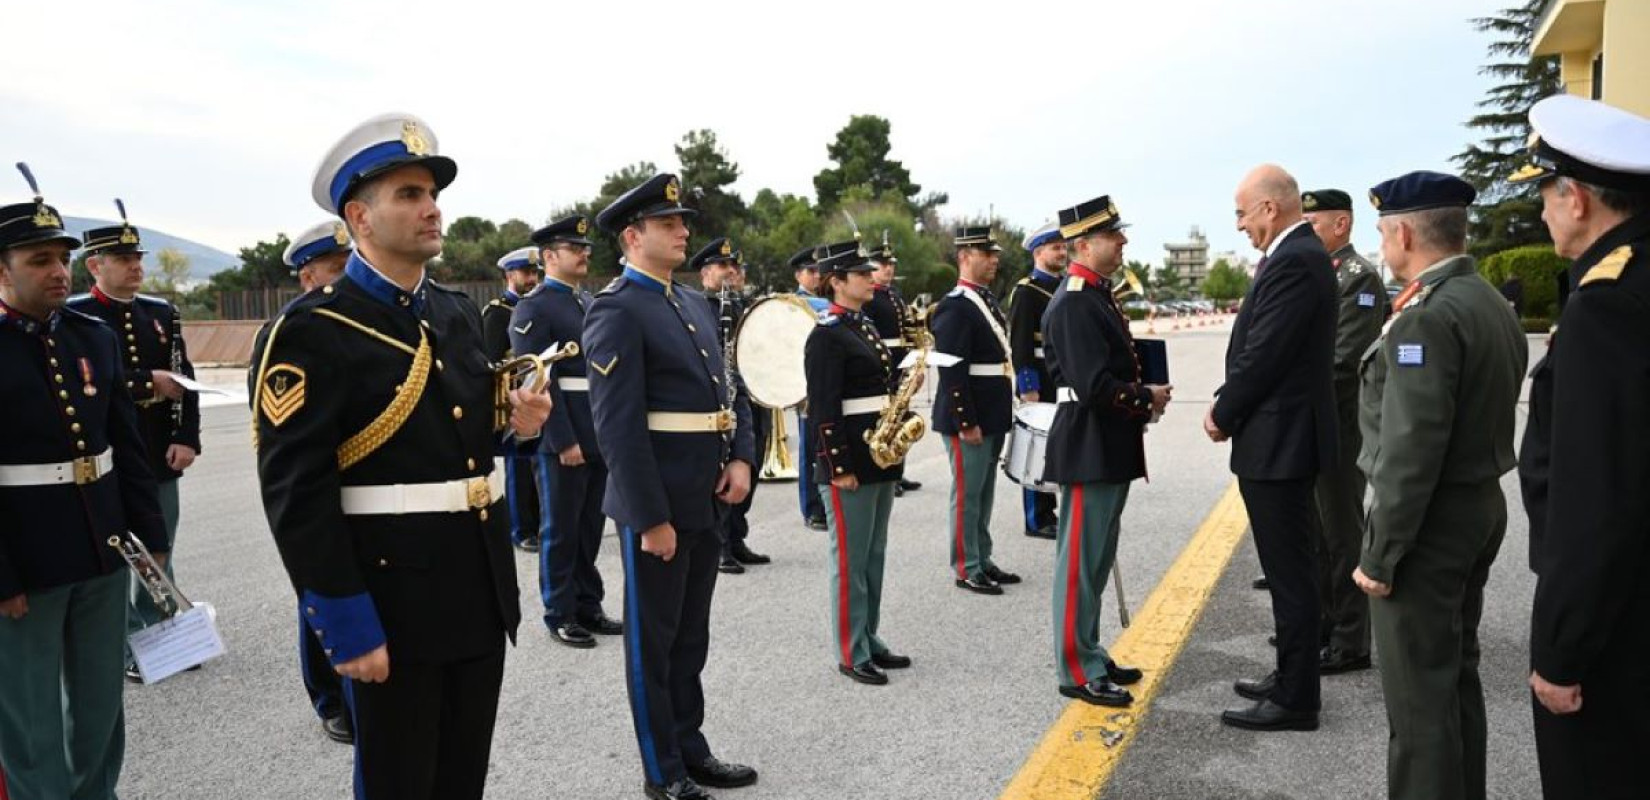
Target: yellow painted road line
1082,749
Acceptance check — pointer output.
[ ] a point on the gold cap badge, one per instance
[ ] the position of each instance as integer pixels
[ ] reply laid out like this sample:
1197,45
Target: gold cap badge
414,139
340,234
673,192
583,226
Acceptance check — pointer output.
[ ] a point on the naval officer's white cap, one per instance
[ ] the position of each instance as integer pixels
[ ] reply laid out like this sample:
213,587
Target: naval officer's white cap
1589,141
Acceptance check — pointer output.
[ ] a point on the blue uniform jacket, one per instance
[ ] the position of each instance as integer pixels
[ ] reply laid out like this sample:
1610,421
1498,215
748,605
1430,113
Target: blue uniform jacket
553,314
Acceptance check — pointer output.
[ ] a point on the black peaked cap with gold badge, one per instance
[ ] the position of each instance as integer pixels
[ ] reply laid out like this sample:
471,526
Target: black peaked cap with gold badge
574,229
1326,200
979,236
719,250
113,239
33,222
1091,216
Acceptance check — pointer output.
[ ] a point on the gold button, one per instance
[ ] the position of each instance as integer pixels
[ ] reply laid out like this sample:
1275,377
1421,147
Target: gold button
50,342
839,469
62,395
404,300
80,445
74,427
326,289
382,562
68,409
692,329
458,412
483,515
703,353
58,378
130,338
439,365
715,379
128,326
52,361
469,463
132,349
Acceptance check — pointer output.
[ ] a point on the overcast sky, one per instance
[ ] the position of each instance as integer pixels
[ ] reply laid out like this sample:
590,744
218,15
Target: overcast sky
208,117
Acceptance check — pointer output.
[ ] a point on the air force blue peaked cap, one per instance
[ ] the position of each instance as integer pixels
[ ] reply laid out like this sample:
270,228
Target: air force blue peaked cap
658,196
319,240
374,147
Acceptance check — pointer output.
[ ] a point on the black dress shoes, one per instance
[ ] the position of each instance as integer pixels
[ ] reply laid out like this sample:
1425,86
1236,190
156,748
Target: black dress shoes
1260,583
684,789
1335,662
980,584
1042,532
864,673
339,729
1100,692
1123,676
720,774
573,634
1001,576
1266,715
907,485
602,624
817,523
890,660
528,545
745,555
1256,690
730,565
133,676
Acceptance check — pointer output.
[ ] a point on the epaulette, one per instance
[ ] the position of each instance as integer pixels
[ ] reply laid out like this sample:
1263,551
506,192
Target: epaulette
829,320
1610,267
614,285
315,298
957,292
1075,284
495,302
1026,281
154,301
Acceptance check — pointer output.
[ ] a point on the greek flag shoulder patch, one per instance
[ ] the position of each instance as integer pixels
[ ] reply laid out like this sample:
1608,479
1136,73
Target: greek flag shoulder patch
1366,300
1411,355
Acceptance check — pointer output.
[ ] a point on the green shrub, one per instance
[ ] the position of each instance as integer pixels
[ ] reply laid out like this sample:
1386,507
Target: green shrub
1537,266
1537,324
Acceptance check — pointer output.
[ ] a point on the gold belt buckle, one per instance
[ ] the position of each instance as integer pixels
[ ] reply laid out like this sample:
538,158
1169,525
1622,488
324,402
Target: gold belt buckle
479,494
85,471
723,420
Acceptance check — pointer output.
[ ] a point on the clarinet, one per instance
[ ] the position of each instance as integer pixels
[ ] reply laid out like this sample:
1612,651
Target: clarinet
724,312
177,367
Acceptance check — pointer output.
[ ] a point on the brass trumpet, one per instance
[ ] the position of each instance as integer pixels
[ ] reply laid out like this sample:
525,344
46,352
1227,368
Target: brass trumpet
525,371
1129,285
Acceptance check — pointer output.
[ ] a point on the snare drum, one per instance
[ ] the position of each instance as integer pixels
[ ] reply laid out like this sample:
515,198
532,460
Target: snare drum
1028,446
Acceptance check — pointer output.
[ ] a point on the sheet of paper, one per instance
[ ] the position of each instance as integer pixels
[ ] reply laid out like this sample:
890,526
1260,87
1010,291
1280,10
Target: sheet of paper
174,645
196,386
935,358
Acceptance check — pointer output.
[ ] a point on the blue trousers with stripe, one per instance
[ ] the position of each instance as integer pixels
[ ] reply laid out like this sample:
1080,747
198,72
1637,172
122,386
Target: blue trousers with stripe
1039,508
570,535
666,640
807,491
521,495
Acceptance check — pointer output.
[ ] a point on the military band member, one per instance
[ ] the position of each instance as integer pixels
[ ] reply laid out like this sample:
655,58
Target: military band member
1096,446
1585,461
850,375
675,430
888,311
1027,303
572,477
75,474
718,264
151,333
376,433
1361,308
521,277
973,406
318,255
807,286
1439,393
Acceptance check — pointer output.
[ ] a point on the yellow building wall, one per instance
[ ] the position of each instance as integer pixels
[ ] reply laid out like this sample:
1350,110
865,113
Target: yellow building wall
1579,30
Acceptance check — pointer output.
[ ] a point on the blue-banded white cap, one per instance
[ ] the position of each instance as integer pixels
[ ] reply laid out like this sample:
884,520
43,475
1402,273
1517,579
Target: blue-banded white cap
1050,232
520,258
316,241
373,148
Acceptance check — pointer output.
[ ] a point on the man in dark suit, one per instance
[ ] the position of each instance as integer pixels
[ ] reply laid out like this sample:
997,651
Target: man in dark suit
1278,408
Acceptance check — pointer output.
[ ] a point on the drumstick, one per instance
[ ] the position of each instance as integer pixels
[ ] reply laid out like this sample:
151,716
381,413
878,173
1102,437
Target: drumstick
1122,604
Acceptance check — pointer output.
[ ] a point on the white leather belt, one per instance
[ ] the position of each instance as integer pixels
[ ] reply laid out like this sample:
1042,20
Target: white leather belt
571,384
893,342
446,497
997,370
1065,394
1037,352
80,471
719,421
852,406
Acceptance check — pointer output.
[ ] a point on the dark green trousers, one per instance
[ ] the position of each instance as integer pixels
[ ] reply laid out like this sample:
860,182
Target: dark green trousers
973,485
1084,554
858,523
1340,494
62,727
1426,634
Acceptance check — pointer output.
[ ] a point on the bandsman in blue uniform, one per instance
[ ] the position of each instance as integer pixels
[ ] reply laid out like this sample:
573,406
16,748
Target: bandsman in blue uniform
891,315
851,375
719,266
973,407
675,430
73,474
521,277
572,477
151,334
376,429
1027,302
807,286
317,256
1585,461
1095,445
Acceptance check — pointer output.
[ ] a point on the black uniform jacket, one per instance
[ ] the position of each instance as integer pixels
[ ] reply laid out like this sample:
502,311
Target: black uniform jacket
1027,303
437,587
1585,468
552,315
844,359
963,400
652,347
886,311
495,325
64,397
148,329
1278,402
1098,438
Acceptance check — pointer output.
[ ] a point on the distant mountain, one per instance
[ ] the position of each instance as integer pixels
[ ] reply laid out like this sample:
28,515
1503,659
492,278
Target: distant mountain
203,261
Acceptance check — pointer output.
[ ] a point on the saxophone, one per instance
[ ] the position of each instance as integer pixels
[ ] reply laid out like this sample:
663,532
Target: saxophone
898,427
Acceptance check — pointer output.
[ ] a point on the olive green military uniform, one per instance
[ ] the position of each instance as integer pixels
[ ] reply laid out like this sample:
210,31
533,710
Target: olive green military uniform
1362,307
1439,390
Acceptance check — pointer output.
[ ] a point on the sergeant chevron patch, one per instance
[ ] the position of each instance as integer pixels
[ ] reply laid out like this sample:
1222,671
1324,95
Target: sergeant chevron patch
283,393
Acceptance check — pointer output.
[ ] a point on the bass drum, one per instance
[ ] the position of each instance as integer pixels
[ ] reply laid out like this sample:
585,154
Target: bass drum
1028,447
767,349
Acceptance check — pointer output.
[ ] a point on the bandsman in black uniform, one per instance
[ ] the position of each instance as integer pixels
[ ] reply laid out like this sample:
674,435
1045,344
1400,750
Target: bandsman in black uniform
521,277
851,376
572,477
1095,446
1361,308
718,265
807,286
889,313
675,429
73,474
1026,304
318,255
973,407
376,430
1585,462
151,332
